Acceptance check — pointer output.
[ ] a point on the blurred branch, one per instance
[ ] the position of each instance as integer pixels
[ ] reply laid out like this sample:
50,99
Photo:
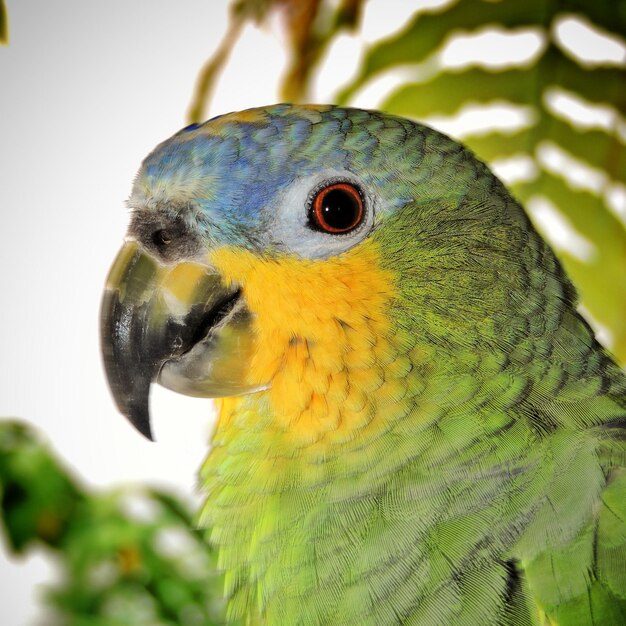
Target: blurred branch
212,68
311,25
4,24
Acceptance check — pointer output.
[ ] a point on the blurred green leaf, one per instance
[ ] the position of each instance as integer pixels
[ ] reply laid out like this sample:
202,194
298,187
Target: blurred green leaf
428,31
4,24
446,93
32,509
127,557
609,14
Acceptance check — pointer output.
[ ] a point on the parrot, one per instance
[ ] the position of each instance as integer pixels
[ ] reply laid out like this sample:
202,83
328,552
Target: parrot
414,423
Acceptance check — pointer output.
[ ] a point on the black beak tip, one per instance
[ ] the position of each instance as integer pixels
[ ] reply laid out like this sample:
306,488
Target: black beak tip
135,408
139,417
131,397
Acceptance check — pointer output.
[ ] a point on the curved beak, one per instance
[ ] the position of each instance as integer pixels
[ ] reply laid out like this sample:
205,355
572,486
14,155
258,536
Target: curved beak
179,325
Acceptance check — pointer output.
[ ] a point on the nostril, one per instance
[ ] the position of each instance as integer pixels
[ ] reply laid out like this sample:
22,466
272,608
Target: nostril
161,237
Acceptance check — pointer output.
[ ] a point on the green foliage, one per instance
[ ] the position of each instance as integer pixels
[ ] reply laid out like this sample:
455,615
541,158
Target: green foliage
33,509
4,24
127,557
439,90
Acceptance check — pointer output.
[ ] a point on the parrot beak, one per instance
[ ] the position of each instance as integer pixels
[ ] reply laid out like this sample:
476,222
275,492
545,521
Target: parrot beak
179,325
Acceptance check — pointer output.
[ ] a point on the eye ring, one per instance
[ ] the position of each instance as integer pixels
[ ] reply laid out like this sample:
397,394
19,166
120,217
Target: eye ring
337,208
161,237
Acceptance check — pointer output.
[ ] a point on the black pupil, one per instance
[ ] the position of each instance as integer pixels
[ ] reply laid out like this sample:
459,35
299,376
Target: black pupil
340,209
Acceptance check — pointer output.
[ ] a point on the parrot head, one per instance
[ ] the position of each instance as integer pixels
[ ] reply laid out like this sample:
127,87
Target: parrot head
313,255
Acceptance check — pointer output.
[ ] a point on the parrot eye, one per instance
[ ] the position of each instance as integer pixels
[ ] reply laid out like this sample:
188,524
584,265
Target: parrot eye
337,208
161,237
